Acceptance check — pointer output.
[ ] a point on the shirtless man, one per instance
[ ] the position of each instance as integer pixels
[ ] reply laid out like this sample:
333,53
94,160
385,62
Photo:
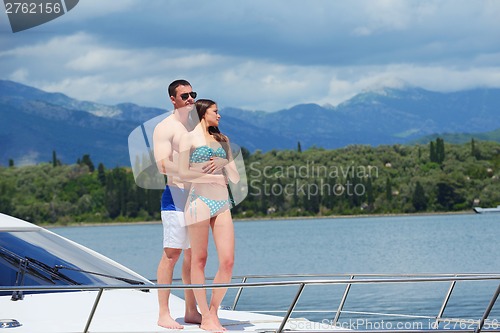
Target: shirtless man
166,139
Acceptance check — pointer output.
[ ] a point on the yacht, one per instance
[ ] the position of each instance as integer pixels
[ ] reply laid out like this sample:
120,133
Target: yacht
480,210
49,283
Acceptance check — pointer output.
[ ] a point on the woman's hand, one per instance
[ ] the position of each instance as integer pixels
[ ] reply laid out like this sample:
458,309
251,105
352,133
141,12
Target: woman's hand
215,164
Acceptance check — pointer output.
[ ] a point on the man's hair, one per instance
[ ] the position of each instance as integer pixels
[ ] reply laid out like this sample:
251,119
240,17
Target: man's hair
175,84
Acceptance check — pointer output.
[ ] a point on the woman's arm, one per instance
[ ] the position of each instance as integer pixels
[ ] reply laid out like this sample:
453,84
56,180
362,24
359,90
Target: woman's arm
230,168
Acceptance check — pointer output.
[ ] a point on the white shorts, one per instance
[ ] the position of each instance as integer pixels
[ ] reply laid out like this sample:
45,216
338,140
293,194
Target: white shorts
175,234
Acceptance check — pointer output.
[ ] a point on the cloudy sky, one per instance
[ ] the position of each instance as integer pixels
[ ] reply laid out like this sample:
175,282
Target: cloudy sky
256,54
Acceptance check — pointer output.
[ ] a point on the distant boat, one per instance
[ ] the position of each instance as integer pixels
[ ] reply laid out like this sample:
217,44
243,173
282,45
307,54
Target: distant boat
480,210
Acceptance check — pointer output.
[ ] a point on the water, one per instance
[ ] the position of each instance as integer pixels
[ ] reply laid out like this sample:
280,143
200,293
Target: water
402,244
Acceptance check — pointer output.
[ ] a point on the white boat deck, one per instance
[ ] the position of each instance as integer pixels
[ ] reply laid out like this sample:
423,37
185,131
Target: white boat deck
128,309
120,311
88,306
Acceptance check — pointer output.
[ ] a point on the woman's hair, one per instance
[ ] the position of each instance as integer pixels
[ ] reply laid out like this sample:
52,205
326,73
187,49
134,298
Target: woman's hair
202,106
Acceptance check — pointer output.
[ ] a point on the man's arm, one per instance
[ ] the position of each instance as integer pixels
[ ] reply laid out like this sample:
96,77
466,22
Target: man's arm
192,176
163,151
215,164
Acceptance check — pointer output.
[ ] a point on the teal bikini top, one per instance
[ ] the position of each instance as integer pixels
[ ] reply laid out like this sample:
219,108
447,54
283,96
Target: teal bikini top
204,153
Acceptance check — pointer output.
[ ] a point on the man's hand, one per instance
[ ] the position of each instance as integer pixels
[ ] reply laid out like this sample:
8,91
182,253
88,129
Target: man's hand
215,164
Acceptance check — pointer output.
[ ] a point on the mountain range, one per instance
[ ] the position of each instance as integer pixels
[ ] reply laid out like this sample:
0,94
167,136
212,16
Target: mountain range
33,123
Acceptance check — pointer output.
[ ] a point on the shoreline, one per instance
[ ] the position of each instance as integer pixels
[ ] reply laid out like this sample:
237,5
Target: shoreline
254,219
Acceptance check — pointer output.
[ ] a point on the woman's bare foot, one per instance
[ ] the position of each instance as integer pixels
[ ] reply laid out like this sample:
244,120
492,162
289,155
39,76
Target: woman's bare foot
168,322
192,317
211,323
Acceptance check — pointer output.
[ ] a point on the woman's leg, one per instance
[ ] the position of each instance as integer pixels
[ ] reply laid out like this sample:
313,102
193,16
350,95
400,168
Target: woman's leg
223,232
198,237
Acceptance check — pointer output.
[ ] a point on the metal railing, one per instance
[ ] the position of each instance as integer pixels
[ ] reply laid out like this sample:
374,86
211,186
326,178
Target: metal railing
348,280
314,279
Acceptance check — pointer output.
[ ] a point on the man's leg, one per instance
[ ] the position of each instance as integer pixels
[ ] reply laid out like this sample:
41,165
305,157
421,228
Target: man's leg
192,315
171,252
164,275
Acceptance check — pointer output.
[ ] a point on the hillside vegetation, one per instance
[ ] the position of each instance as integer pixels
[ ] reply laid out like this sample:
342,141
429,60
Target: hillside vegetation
435,177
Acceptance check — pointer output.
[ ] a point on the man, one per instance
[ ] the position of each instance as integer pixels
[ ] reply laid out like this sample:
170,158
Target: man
166,138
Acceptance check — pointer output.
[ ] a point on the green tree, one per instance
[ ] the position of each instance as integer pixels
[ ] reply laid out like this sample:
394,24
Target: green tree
419,198
245,153
436,151
5,199
388,189
370,196
11,163
432,152
295,193
88,162
101,174
279,198
440,153
447,196
55,161
474,150
113,195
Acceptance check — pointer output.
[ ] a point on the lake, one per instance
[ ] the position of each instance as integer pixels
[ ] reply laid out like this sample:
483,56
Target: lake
465,243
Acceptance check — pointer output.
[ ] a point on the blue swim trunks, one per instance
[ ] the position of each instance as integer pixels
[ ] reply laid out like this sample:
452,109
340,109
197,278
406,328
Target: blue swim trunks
173,198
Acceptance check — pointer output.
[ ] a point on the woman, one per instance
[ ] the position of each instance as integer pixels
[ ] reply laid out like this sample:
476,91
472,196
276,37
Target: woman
208,205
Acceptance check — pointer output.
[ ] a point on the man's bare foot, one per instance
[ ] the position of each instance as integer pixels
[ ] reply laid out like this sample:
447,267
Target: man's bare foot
192,317
211,323
168,322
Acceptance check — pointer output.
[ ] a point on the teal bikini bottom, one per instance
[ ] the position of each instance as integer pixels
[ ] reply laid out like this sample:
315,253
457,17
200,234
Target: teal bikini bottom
214,205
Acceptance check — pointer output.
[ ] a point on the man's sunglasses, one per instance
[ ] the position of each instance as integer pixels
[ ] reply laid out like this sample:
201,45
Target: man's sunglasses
186,95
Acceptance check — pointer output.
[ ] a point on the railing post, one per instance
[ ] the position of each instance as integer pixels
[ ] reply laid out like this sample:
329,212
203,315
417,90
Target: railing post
342,302
290,309
237,297
92,312
488,310
445,303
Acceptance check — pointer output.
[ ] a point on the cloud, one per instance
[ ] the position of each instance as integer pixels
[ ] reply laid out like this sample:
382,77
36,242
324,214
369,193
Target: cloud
81,66
434,78
257,55
89,9
19,75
